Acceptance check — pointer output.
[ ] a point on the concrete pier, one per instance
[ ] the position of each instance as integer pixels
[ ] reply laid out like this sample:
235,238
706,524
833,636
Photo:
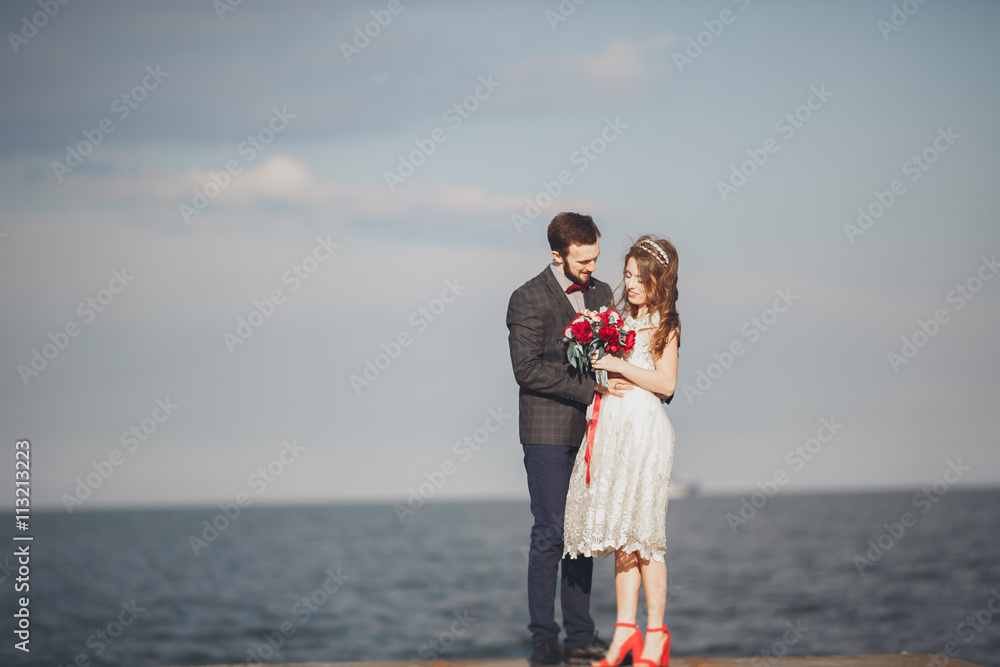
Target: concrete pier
893,660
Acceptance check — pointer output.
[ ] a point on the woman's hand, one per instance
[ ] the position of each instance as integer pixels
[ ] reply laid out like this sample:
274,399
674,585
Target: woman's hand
608,363
618,384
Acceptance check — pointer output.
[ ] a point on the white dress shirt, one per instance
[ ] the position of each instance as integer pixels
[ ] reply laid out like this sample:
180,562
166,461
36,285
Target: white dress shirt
576,298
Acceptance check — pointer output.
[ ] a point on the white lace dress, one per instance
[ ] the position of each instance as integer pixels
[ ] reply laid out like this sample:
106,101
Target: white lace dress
625,504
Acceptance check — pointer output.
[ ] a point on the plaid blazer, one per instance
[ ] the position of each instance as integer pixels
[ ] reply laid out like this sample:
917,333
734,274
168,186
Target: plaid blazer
553,396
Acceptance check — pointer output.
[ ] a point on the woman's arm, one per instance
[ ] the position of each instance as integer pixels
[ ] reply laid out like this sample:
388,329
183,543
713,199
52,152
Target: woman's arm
662,380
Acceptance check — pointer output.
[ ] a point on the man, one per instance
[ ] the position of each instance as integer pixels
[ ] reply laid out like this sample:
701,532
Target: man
552,420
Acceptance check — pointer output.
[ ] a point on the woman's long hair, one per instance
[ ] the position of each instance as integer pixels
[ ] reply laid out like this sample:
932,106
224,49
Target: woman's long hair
660,283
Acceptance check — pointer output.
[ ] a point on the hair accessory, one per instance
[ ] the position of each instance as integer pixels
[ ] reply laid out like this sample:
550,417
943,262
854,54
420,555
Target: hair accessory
655,250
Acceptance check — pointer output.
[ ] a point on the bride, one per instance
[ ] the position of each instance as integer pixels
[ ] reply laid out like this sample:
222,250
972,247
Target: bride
622,510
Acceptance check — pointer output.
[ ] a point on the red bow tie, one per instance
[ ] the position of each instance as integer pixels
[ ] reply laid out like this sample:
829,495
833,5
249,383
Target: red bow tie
576,288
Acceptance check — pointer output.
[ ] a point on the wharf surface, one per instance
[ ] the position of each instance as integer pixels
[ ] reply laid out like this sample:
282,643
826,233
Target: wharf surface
891,660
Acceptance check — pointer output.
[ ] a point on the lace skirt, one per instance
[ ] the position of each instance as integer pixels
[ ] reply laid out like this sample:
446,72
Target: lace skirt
625,504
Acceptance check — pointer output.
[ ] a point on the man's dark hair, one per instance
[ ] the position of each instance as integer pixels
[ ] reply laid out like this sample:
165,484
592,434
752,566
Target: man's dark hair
567,229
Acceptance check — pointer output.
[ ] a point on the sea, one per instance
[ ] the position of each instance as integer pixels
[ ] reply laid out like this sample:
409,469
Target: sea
787,575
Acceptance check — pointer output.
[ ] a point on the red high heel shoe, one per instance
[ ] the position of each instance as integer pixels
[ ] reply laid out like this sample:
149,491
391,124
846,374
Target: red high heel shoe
633,644
665,656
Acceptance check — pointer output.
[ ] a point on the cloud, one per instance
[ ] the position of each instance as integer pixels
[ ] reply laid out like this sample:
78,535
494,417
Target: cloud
281,189
617,71
279,178
620,63
665,40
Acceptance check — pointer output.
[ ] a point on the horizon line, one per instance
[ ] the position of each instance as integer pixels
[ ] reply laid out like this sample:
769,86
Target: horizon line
389,502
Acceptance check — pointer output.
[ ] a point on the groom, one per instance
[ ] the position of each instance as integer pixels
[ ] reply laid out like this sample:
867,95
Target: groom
552,421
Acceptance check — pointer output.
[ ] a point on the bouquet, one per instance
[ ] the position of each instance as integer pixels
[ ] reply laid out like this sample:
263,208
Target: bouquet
600,331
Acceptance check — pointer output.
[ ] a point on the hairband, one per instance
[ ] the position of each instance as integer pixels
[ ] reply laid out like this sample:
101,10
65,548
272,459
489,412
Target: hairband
655,250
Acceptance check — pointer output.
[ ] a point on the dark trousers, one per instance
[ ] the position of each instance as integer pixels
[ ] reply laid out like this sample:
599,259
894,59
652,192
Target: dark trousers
549,468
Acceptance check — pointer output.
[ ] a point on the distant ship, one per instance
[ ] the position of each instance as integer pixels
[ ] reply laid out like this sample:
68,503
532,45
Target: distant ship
682,489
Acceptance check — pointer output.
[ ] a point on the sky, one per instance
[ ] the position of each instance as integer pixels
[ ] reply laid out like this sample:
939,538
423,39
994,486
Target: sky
265,250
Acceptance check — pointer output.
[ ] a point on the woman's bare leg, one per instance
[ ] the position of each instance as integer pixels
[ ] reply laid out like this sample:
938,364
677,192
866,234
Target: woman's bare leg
627,581
654,579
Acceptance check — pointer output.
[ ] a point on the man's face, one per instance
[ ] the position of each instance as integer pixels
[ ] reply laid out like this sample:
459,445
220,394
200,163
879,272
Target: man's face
580,262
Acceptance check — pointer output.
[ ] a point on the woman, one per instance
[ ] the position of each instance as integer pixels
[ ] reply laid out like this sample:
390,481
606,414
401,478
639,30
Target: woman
623,508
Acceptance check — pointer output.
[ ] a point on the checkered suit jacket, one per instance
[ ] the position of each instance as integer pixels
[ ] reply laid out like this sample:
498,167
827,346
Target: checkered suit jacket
553,396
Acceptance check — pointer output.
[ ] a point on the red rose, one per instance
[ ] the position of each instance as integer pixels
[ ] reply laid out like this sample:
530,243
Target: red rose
582,332
607,332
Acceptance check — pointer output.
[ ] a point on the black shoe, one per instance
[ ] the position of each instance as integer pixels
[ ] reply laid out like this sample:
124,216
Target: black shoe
592,652
549,654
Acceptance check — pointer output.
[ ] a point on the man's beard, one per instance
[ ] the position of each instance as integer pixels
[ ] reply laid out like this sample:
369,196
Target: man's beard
572,278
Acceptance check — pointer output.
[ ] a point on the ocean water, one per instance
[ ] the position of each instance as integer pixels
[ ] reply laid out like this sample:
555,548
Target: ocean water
353,582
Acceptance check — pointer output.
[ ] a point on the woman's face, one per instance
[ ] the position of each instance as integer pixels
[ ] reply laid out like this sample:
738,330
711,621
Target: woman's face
634,290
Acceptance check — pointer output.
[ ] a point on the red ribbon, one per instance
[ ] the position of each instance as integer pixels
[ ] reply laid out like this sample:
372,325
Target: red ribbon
590,432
